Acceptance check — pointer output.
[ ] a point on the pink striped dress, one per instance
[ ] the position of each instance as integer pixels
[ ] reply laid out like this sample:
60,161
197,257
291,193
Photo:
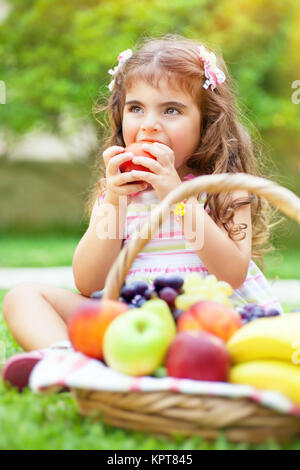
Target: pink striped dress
168,252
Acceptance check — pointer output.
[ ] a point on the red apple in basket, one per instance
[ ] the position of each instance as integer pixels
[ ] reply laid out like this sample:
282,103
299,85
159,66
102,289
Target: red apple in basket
89,322
137,149
198,355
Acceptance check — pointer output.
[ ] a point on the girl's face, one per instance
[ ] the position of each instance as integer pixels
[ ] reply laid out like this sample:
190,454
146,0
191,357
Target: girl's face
163,115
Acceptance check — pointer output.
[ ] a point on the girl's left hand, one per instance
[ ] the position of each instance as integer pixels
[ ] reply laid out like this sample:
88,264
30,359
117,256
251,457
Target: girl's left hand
164,176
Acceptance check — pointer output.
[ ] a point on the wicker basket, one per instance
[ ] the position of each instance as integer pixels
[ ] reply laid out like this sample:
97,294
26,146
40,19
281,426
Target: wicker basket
172,413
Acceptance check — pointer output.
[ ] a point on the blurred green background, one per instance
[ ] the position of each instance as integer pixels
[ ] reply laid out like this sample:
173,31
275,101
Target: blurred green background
54,58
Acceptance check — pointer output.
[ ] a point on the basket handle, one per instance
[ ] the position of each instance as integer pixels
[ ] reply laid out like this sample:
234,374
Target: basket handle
282,198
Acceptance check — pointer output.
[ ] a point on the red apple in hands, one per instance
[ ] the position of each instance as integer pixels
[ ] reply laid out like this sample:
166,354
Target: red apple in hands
137,149
88,324
212,317
198,355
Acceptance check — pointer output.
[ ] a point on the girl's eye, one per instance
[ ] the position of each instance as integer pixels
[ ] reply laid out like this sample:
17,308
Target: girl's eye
131,109
135,109
173,109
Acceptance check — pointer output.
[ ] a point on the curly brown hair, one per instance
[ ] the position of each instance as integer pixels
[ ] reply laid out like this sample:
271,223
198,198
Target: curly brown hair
225,143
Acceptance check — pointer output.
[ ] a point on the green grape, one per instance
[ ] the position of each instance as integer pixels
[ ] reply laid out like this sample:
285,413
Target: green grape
191,281
223,299
196,290
211,280
185,301
225,287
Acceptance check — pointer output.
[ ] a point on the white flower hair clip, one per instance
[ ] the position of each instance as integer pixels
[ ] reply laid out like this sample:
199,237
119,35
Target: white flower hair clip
123,56
214,75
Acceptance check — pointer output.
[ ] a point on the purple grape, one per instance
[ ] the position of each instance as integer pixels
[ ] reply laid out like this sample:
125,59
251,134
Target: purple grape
251,312
245,315
248,319
254,309
130,305
159,283
168,295
273,312
176,282
249,307
139,286
149,293
254,317
98,294
138,300
258,312
176,312
128,292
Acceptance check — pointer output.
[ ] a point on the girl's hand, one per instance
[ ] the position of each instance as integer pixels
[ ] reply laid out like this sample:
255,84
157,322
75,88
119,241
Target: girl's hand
164,176
117,182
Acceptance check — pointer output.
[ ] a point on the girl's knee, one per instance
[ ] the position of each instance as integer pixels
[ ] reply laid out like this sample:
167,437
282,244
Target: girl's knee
16,294
62,301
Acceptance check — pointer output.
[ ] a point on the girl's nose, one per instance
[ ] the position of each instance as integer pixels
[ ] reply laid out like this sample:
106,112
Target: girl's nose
150,123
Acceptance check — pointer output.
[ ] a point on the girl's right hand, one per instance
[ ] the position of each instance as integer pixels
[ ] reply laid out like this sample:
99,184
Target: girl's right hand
117,182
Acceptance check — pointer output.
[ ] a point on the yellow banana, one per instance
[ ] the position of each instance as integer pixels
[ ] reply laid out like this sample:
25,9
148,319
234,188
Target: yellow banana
278,376
267,338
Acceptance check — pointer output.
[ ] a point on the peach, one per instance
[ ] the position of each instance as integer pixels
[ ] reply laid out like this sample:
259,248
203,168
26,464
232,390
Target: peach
88,323
211,316
188,321
198,355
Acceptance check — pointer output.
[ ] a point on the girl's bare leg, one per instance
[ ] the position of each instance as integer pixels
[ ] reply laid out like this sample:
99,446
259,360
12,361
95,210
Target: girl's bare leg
37,314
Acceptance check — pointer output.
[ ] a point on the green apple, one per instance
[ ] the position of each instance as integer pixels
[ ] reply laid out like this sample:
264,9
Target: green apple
160,308
136,342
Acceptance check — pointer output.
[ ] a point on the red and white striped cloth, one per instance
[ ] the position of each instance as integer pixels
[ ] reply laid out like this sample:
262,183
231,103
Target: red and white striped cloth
74,370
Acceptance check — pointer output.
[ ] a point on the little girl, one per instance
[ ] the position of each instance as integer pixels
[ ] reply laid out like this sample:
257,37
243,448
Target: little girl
175,98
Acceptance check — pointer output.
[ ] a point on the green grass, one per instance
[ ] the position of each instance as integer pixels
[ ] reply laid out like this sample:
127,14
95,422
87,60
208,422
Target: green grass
58,250
53,422
283,264
33,251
